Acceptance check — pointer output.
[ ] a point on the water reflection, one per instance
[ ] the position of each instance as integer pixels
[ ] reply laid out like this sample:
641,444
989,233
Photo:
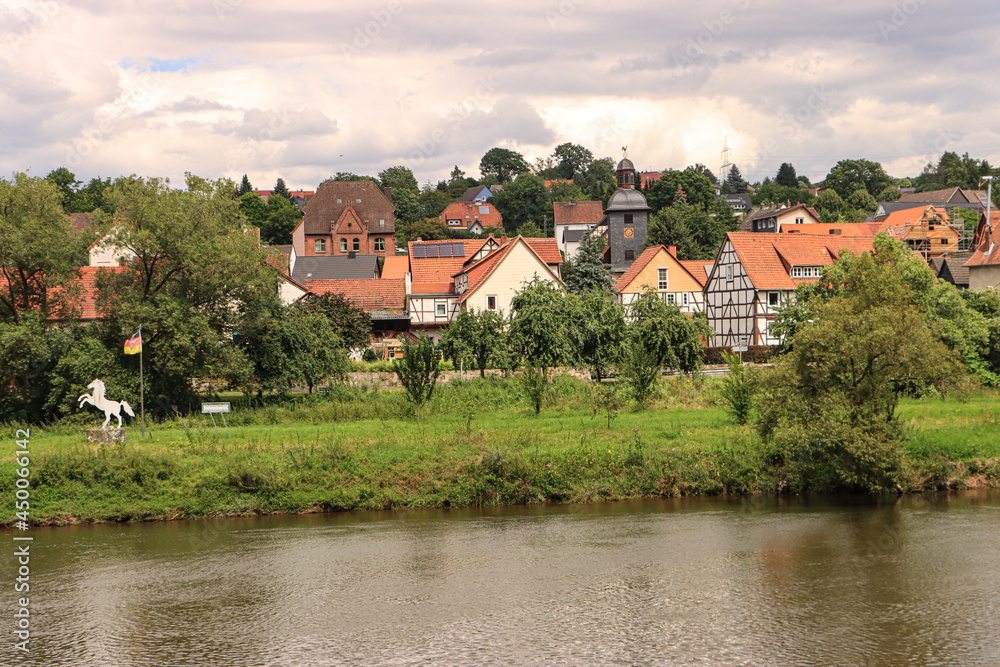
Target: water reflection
668,581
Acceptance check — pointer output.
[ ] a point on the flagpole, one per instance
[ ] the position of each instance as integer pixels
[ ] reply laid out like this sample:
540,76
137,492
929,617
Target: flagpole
142,389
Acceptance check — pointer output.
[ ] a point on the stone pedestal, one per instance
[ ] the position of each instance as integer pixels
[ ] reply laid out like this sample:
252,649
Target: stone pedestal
106,436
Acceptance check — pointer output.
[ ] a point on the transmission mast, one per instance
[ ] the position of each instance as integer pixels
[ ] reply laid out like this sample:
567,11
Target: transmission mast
726,163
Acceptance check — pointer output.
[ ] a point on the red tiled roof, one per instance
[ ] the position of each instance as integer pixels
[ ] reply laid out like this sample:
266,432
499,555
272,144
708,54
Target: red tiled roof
832,229
482,270
428,272
381,294
696,267
638,265
459,210
549,184
767,258
395,267
987,250
547,249
643,260
577,212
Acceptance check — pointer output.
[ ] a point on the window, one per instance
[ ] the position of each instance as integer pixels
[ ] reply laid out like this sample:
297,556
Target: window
772,299
491,303
484,210
442,309
356,245
320,245
381,222
379,245
796,272
454,223
684,298
343,245
628,219
671,298
340,201
799,221
661,280
729,272
629,255
358,200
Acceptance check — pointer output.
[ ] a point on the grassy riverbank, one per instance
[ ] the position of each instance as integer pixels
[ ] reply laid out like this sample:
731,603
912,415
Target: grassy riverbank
478,443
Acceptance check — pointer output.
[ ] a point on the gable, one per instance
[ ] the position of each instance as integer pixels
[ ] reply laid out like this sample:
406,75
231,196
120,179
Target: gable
349,223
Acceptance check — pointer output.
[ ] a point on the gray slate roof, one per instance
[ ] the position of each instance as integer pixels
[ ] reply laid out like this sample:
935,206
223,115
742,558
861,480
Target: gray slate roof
337,267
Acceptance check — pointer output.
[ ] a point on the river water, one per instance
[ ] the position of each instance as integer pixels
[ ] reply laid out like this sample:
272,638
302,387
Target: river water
769,581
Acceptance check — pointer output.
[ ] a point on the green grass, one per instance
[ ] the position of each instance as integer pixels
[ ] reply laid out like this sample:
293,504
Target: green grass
478,443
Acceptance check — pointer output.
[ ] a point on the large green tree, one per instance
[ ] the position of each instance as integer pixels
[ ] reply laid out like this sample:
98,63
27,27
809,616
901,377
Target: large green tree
525,200
503,164
477,336
38,253
850,175
786,176
351,324
571,160
599,334
418,371
193,265
541,324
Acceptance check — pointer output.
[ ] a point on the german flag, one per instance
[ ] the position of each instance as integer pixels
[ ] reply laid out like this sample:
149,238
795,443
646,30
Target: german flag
134,344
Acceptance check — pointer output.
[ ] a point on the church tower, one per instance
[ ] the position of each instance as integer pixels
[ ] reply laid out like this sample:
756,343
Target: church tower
628,219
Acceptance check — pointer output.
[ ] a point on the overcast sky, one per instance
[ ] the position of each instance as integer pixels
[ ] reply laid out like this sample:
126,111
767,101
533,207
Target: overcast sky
227,87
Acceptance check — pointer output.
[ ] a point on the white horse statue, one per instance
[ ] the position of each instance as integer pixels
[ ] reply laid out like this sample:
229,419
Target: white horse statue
111,408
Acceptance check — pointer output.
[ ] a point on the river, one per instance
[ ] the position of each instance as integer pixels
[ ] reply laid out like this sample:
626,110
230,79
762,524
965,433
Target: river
713,581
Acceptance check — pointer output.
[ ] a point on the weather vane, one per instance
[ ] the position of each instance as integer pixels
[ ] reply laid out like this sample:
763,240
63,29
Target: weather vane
624,151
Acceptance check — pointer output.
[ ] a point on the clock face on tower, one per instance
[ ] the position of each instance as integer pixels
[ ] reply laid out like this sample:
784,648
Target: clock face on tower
629,232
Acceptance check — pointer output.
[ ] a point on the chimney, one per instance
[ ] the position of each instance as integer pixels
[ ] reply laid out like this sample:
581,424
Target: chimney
351,255
673,251
388,193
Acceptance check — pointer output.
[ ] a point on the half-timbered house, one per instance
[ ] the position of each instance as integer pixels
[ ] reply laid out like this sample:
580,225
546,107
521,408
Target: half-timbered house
755,275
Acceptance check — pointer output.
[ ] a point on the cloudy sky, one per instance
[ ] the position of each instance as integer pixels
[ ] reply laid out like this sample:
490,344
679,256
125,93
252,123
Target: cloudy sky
302,90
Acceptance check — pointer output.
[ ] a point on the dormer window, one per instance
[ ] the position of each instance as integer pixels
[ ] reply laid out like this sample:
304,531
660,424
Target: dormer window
320,245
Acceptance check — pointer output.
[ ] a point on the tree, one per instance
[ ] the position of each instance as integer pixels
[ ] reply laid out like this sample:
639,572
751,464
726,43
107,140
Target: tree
433,202
861,201
282,216
456,174
773,193
668,227
474,335
245,187
734,181
288,346
192,265
786,176
697,188
66,181
540,326
830,403
660,335
350,324
254,210
524,200
399,178
351,176
830,207
599,335
37,251
503,164
599,181
585,272
90,197
429,229
889,193
280,190
571,159
418,371
850,175
739,387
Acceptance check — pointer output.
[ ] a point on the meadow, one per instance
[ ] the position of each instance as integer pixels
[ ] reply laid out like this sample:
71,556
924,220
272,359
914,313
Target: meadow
479,442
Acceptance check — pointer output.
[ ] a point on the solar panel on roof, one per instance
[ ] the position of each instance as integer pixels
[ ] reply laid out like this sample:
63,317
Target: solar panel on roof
419,251
432,251
445,250
458,249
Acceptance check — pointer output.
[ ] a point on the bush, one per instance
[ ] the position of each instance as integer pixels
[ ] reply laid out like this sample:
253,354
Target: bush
739,388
